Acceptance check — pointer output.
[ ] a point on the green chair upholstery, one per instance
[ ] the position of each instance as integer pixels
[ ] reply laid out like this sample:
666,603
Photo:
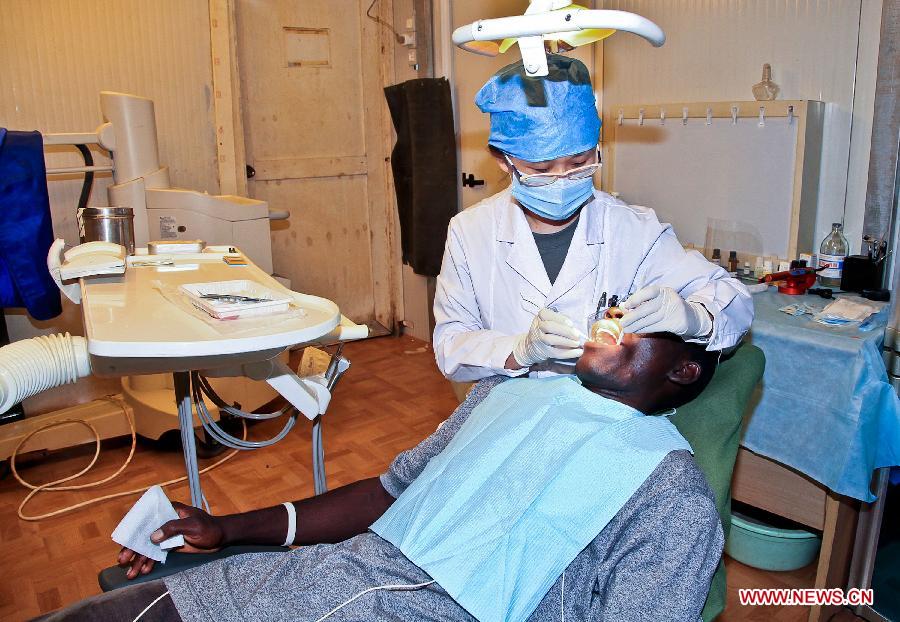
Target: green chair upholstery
712,424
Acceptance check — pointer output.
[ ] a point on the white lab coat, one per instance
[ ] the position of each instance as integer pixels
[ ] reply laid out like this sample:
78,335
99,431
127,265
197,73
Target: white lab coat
493,281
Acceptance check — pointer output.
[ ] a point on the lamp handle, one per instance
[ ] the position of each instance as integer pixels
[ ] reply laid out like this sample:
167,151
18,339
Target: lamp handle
539,24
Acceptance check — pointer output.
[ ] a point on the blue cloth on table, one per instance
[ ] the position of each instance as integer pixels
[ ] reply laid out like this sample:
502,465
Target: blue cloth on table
27,231
826,407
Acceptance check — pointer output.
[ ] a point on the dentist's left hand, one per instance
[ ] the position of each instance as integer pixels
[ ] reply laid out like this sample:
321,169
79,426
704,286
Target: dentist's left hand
202,534
655,309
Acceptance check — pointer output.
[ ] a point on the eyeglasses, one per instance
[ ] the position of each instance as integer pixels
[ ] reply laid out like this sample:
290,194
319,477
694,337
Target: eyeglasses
545,179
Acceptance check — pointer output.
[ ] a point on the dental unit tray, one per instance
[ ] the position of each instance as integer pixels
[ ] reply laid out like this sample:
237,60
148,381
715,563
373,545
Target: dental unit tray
230,300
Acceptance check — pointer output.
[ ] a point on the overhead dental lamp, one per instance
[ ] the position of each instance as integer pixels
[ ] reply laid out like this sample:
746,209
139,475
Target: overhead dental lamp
554,22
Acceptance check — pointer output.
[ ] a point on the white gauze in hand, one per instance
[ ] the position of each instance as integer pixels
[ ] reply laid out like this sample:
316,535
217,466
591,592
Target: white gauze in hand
150,512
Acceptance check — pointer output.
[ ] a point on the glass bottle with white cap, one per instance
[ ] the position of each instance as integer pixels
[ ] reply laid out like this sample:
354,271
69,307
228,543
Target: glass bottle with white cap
832,252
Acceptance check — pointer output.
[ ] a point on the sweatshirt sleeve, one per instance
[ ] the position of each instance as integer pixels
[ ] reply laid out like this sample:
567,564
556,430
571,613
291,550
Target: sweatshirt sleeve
408,465
666,559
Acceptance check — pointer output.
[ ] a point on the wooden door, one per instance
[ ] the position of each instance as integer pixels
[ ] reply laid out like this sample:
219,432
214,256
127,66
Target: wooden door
316,135
470,72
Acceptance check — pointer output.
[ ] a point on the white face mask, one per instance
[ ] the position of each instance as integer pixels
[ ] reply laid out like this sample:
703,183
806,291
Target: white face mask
556,201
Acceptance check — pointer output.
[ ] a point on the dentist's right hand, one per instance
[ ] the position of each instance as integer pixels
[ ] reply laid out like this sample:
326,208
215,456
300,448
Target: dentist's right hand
551,336
202,533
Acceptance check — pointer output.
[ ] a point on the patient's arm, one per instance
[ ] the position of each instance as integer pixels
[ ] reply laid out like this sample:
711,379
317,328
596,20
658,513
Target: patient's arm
331,517
665,575
665,561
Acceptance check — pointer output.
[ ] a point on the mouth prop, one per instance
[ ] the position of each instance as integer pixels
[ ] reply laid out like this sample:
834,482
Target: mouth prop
610,327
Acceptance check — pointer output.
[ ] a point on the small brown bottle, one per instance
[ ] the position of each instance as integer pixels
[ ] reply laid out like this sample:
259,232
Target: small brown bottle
732,262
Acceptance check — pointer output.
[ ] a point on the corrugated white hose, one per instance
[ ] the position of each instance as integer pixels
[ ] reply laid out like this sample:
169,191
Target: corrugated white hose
30,366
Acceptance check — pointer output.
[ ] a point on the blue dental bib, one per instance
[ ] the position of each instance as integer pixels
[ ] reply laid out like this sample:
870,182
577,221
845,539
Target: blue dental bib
534,474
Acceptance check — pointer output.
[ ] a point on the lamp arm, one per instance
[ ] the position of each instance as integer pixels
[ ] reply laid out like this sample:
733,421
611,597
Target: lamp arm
539,24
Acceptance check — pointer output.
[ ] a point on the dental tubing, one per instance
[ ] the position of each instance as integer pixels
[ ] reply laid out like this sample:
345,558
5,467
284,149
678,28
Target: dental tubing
30,366
53,486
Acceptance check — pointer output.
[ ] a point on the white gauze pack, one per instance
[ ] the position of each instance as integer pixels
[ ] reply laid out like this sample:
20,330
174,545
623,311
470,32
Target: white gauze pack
150,512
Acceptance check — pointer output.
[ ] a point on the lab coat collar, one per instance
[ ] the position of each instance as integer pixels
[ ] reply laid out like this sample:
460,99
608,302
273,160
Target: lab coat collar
525,259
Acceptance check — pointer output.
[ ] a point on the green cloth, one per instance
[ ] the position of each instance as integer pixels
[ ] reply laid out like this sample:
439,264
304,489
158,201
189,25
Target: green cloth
712,425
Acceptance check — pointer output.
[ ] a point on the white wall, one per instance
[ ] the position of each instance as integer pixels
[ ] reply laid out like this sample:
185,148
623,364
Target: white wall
57,55
715,50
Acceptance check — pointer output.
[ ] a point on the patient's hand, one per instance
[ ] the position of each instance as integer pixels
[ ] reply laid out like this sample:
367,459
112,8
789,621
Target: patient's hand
202,534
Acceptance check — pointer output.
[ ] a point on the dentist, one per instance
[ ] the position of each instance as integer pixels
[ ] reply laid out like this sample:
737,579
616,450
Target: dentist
524,269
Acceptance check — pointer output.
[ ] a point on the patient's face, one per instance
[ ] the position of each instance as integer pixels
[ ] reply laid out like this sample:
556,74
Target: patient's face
638,360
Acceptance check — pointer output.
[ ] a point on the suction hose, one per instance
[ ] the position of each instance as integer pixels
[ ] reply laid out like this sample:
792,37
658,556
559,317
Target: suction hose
30,366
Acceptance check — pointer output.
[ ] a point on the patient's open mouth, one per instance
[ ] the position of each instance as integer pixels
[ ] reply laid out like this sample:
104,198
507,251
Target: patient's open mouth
608,330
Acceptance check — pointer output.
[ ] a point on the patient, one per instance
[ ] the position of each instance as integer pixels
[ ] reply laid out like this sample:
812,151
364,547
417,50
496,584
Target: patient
581,509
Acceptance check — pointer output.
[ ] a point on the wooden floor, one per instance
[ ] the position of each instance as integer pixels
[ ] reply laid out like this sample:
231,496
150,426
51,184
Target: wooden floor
392,397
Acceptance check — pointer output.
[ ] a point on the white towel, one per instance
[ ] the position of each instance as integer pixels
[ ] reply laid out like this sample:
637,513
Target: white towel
150,512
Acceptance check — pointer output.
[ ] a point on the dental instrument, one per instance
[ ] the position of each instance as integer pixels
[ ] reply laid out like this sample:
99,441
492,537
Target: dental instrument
233,298
553,21
607,326
794,281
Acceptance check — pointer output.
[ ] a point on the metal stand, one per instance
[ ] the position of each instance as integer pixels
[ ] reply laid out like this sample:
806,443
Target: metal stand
866,546
313,395
188,442
318,457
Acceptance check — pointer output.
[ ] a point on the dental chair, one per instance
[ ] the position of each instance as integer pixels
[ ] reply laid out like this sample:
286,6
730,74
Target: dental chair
113,578
712,424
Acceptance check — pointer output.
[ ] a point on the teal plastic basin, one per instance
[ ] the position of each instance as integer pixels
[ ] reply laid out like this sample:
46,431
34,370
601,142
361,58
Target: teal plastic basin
763,546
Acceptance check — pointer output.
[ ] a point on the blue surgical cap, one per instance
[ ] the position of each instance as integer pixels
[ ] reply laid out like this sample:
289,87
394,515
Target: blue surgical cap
537,119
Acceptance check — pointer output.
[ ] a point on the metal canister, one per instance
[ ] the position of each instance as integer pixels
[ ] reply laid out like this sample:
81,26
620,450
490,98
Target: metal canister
108,224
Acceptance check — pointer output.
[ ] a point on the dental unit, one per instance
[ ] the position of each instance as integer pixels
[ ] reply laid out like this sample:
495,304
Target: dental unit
215,365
